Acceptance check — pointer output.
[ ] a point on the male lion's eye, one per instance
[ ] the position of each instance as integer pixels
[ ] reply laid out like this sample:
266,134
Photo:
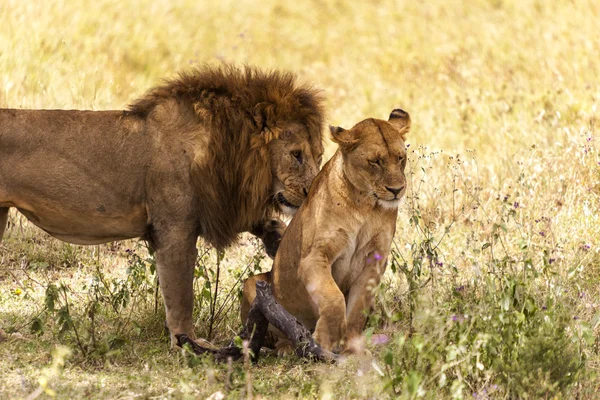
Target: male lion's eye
297,155
375,162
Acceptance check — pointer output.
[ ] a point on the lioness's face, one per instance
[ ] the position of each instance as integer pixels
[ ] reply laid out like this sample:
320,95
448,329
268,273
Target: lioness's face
375,157
295,160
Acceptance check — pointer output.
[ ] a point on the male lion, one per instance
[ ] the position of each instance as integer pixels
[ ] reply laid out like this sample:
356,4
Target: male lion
335,249
212,153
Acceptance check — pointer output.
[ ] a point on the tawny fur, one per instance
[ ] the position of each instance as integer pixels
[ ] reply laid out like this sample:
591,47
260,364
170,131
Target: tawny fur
335,249
225,100
3,221
211,153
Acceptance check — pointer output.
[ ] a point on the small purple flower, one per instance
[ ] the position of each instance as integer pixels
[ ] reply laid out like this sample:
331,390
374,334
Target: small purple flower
408,145
455,318
516,204
439,264
576,318
544,308
589,139
581,295
460,288
377,256
380,339
586,247
550,261
542,234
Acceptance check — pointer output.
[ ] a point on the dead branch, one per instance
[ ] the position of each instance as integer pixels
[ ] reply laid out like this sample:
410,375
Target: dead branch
265,310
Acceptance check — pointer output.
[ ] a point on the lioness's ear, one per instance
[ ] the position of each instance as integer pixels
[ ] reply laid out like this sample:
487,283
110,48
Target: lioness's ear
342,136
401,121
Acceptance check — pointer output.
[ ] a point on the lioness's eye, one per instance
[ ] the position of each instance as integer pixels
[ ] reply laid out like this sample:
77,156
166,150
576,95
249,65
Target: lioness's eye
375,162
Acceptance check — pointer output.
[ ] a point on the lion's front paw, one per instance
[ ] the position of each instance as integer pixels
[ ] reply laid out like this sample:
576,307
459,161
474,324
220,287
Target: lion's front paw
329,332
355,345
206,344
284,347
324,339
273,232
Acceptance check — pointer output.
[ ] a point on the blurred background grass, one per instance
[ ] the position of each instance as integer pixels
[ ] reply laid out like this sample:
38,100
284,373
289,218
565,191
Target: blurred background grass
513,87
465,70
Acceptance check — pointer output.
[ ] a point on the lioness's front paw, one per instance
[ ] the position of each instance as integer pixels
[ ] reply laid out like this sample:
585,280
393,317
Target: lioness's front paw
329,332
354,345
323,340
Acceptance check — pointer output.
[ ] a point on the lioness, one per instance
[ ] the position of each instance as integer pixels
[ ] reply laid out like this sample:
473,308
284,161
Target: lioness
335,249
213,153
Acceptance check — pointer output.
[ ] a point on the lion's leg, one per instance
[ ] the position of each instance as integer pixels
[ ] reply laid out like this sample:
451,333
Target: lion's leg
175,259
249,292
275,338
331,325
325,293
3,221
248,296
359,302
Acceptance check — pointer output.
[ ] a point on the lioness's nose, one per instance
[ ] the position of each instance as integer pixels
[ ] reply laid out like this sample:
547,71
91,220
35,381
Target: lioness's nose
395,191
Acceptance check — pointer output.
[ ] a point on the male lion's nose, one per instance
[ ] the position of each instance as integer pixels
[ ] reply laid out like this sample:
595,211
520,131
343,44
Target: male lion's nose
395,191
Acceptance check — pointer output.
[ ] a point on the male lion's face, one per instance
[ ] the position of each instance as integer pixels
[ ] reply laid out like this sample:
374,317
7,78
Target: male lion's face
375,156
295,161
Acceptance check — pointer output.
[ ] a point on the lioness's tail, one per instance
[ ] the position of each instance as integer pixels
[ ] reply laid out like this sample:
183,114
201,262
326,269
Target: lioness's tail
3,220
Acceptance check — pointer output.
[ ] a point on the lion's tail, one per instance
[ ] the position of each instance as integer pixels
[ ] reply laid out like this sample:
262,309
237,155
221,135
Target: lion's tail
3,220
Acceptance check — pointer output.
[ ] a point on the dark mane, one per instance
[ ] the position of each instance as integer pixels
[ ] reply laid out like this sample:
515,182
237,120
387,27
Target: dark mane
244,87
235,184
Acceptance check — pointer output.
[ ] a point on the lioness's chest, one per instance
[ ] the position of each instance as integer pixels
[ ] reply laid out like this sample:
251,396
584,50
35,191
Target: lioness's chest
370,244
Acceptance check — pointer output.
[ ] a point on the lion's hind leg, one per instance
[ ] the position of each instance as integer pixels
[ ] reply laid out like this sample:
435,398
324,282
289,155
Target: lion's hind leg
274,335
249,292
3,221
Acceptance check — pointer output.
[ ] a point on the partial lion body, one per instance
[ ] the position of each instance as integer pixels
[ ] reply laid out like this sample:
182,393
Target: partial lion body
3,221
212,153
79,175
333,253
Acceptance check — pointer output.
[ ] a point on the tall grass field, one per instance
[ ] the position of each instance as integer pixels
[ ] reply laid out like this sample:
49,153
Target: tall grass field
492,289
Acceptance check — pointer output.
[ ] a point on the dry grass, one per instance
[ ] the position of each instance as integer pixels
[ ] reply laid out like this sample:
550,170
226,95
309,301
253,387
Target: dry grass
504,97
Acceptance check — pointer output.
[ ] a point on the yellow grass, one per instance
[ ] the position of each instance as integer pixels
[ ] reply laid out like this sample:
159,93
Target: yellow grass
504,96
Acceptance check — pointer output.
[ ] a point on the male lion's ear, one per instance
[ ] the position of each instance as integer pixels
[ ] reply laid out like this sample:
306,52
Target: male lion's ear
401,121
265,119
264,115
342,136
